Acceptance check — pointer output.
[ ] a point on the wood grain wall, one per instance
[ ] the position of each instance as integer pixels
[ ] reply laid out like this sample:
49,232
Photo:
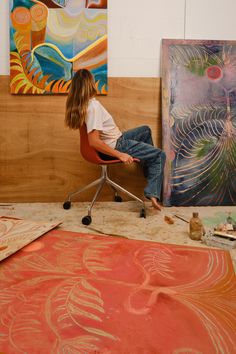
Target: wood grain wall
39,157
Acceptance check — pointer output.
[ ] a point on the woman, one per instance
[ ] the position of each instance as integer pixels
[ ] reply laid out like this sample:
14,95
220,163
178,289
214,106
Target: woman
106,138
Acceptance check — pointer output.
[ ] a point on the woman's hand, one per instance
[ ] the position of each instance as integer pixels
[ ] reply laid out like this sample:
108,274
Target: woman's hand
126,158
99,145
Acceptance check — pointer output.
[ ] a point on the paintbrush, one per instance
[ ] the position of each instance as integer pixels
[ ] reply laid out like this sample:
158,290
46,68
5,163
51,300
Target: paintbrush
224,234
104,233
181,218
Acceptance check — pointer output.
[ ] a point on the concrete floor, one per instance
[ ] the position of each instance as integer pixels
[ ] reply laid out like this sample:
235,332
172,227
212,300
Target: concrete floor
122,219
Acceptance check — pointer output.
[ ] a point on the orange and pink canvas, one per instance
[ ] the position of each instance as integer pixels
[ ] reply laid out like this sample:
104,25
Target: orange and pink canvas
79,293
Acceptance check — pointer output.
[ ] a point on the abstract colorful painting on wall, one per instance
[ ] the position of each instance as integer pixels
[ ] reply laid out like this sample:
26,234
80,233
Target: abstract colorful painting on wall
51,39
199,122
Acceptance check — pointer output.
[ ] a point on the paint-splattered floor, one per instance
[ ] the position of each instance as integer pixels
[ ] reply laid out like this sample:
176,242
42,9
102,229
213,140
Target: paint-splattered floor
123,219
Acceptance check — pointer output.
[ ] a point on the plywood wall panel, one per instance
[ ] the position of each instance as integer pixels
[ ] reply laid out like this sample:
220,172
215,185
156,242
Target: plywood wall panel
39,157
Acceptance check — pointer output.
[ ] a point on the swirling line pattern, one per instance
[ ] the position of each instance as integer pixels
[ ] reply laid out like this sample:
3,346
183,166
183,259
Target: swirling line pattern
201,117
81,293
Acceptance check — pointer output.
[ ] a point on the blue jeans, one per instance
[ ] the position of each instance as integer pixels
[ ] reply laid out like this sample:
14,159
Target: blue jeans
138,143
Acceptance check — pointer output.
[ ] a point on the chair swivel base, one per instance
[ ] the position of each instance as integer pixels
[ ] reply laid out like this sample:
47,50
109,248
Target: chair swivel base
67,205
86,220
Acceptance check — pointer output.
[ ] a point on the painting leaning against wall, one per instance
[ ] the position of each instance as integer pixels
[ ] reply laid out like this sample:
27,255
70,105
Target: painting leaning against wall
199,122
51,39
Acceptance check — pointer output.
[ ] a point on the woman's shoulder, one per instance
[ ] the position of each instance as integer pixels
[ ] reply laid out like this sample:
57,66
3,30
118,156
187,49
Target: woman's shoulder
93,100
94,107
94,104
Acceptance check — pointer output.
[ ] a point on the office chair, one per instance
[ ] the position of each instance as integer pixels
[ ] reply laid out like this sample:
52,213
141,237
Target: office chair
91,155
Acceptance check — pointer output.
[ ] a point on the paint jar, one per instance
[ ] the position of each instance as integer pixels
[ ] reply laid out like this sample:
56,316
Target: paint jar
196,228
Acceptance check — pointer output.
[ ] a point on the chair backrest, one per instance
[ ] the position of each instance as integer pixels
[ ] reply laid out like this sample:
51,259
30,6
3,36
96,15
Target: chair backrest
88,152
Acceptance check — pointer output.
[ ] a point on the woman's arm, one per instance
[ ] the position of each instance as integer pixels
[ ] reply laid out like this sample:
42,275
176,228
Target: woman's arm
99,145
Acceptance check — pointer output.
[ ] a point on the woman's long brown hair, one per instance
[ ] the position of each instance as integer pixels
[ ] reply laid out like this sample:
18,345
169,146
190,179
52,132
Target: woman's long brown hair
81,90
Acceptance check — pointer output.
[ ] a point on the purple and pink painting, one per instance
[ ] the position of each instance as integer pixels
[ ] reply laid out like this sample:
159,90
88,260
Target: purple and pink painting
199,122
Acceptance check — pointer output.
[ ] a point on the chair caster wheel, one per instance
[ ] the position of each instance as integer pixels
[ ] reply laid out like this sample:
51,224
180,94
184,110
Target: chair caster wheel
118,198
67,205
143,213
86,220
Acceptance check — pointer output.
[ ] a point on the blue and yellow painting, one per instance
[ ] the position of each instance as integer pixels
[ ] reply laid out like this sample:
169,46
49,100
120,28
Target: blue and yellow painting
199,122
51,39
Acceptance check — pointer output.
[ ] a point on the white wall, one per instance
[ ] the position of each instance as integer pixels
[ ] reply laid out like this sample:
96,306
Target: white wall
210,19
135,30
4,38
136,27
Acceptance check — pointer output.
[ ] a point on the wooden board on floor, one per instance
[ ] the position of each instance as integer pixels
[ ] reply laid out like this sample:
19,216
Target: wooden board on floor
39,157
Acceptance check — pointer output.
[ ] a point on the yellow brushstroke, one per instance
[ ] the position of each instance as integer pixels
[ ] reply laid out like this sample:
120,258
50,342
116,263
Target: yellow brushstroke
79,55
79,26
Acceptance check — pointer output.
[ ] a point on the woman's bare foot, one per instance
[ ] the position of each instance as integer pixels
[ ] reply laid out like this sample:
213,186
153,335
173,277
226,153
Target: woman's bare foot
155,203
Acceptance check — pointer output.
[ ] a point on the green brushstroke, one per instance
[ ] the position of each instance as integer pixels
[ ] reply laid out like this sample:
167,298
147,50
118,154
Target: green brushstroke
220,217
198,67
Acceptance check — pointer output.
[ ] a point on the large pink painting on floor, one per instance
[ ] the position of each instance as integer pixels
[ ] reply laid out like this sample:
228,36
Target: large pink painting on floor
89,294
199,121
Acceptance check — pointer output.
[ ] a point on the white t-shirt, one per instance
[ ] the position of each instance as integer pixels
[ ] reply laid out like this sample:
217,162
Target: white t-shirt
99,119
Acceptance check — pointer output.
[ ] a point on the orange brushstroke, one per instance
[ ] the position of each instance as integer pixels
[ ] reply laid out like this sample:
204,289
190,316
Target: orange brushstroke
21,22
96,57
39,16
